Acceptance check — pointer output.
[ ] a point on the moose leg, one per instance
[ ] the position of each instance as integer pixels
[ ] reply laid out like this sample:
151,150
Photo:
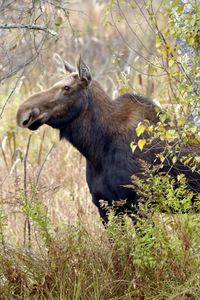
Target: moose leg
102,208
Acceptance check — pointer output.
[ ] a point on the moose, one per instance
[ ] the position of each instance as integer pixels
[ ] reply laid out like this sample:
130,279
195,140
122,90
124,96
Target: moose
102,130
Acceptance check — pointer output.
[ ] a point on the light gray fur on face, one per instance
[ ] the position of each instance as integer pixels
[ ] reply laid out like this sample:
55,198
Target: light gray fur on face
68,67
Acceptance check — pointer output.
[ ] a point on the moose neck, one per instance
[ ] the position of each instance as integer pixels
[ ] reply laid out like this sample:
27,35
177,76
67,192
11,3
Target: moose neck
92,132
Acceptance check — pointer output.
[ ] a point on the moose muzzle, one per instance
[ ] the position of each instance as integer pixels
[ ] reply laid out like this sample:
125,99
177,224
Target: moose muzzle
27,117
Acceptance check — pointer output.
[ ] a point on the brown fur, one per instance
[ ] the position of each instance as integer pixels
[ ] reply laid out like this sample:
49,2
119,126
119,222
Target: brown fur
119,115
102,130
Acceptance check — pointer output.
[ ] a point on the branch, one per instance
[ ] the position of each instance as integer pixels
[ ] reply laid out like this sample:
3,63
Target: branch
28,26
9,96
127,44
29,60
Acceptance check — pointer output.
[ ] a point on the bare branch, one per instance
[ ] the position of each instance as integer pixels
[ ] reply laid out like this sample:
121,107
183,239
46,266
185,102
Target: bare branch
27,224
127,44
131,29
28,26
10,95
27,62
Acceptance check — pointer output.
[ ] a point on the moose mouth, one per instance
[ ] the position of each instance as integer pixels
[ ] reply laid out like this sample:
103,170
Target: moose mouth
35,125
32,119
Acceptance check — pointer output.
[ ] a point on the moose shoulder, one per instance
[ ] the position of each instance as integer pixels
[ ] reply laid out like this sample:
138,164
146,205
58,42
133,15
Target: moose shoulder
100,128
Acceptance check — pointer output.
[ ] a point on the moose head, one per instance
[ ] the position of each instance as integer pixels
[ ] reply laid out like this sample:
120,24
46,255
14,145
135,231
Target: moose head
60,104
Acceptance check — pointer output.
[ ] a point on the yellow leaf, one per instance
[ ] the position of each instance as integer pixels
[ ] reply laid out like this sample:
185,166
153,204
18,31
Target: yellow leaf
174,159
171,134
141,143
197,159
140,129
133,146
193,129
161,157
152,69
171,62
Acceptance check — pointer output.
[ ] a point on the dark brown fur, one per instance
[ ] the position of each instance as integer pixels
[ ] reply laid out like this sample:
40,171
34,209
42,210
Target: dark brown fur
102,130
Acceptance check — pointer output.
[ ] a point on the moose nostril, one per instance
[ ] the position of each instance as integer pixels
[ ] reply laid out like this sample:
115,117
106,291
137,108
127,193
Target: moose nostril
26,121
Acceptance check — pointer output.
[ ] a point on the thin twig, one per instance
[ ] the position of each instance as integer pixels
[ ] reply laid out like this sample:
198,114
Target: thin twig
127,44
40,171
178,63
42,166
10,94
27,62
27,221
131,29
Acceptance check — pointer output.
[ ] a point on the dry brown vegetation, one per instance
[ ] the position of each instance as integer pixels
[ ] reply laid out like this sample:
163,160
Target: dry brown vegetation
53,245
60,174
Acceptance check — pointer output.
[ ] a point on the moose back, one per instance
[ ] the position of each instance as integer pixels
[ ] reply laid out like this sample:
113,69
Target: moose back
102,130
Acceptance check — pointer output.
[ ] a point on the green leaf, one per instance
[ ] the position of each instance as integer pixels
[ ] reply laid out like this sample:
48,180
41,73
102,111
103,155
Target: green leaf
171,134
163,117
152,69
175,3
58,21
141,143
180,9
158,42
191,41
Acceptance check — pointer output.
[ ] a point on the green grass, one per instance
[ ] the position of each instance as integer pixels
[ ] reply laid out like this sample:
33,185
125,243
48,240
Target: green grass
159,261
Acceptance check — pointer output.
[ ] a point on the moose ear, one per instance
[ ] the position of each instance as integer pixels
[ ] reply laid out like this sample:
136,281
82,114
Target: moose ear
68,67
63,65
84,71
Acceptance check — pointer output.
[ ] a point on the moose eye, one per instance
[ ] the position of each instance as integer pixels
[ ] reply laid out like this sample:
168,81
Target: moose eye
67,88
